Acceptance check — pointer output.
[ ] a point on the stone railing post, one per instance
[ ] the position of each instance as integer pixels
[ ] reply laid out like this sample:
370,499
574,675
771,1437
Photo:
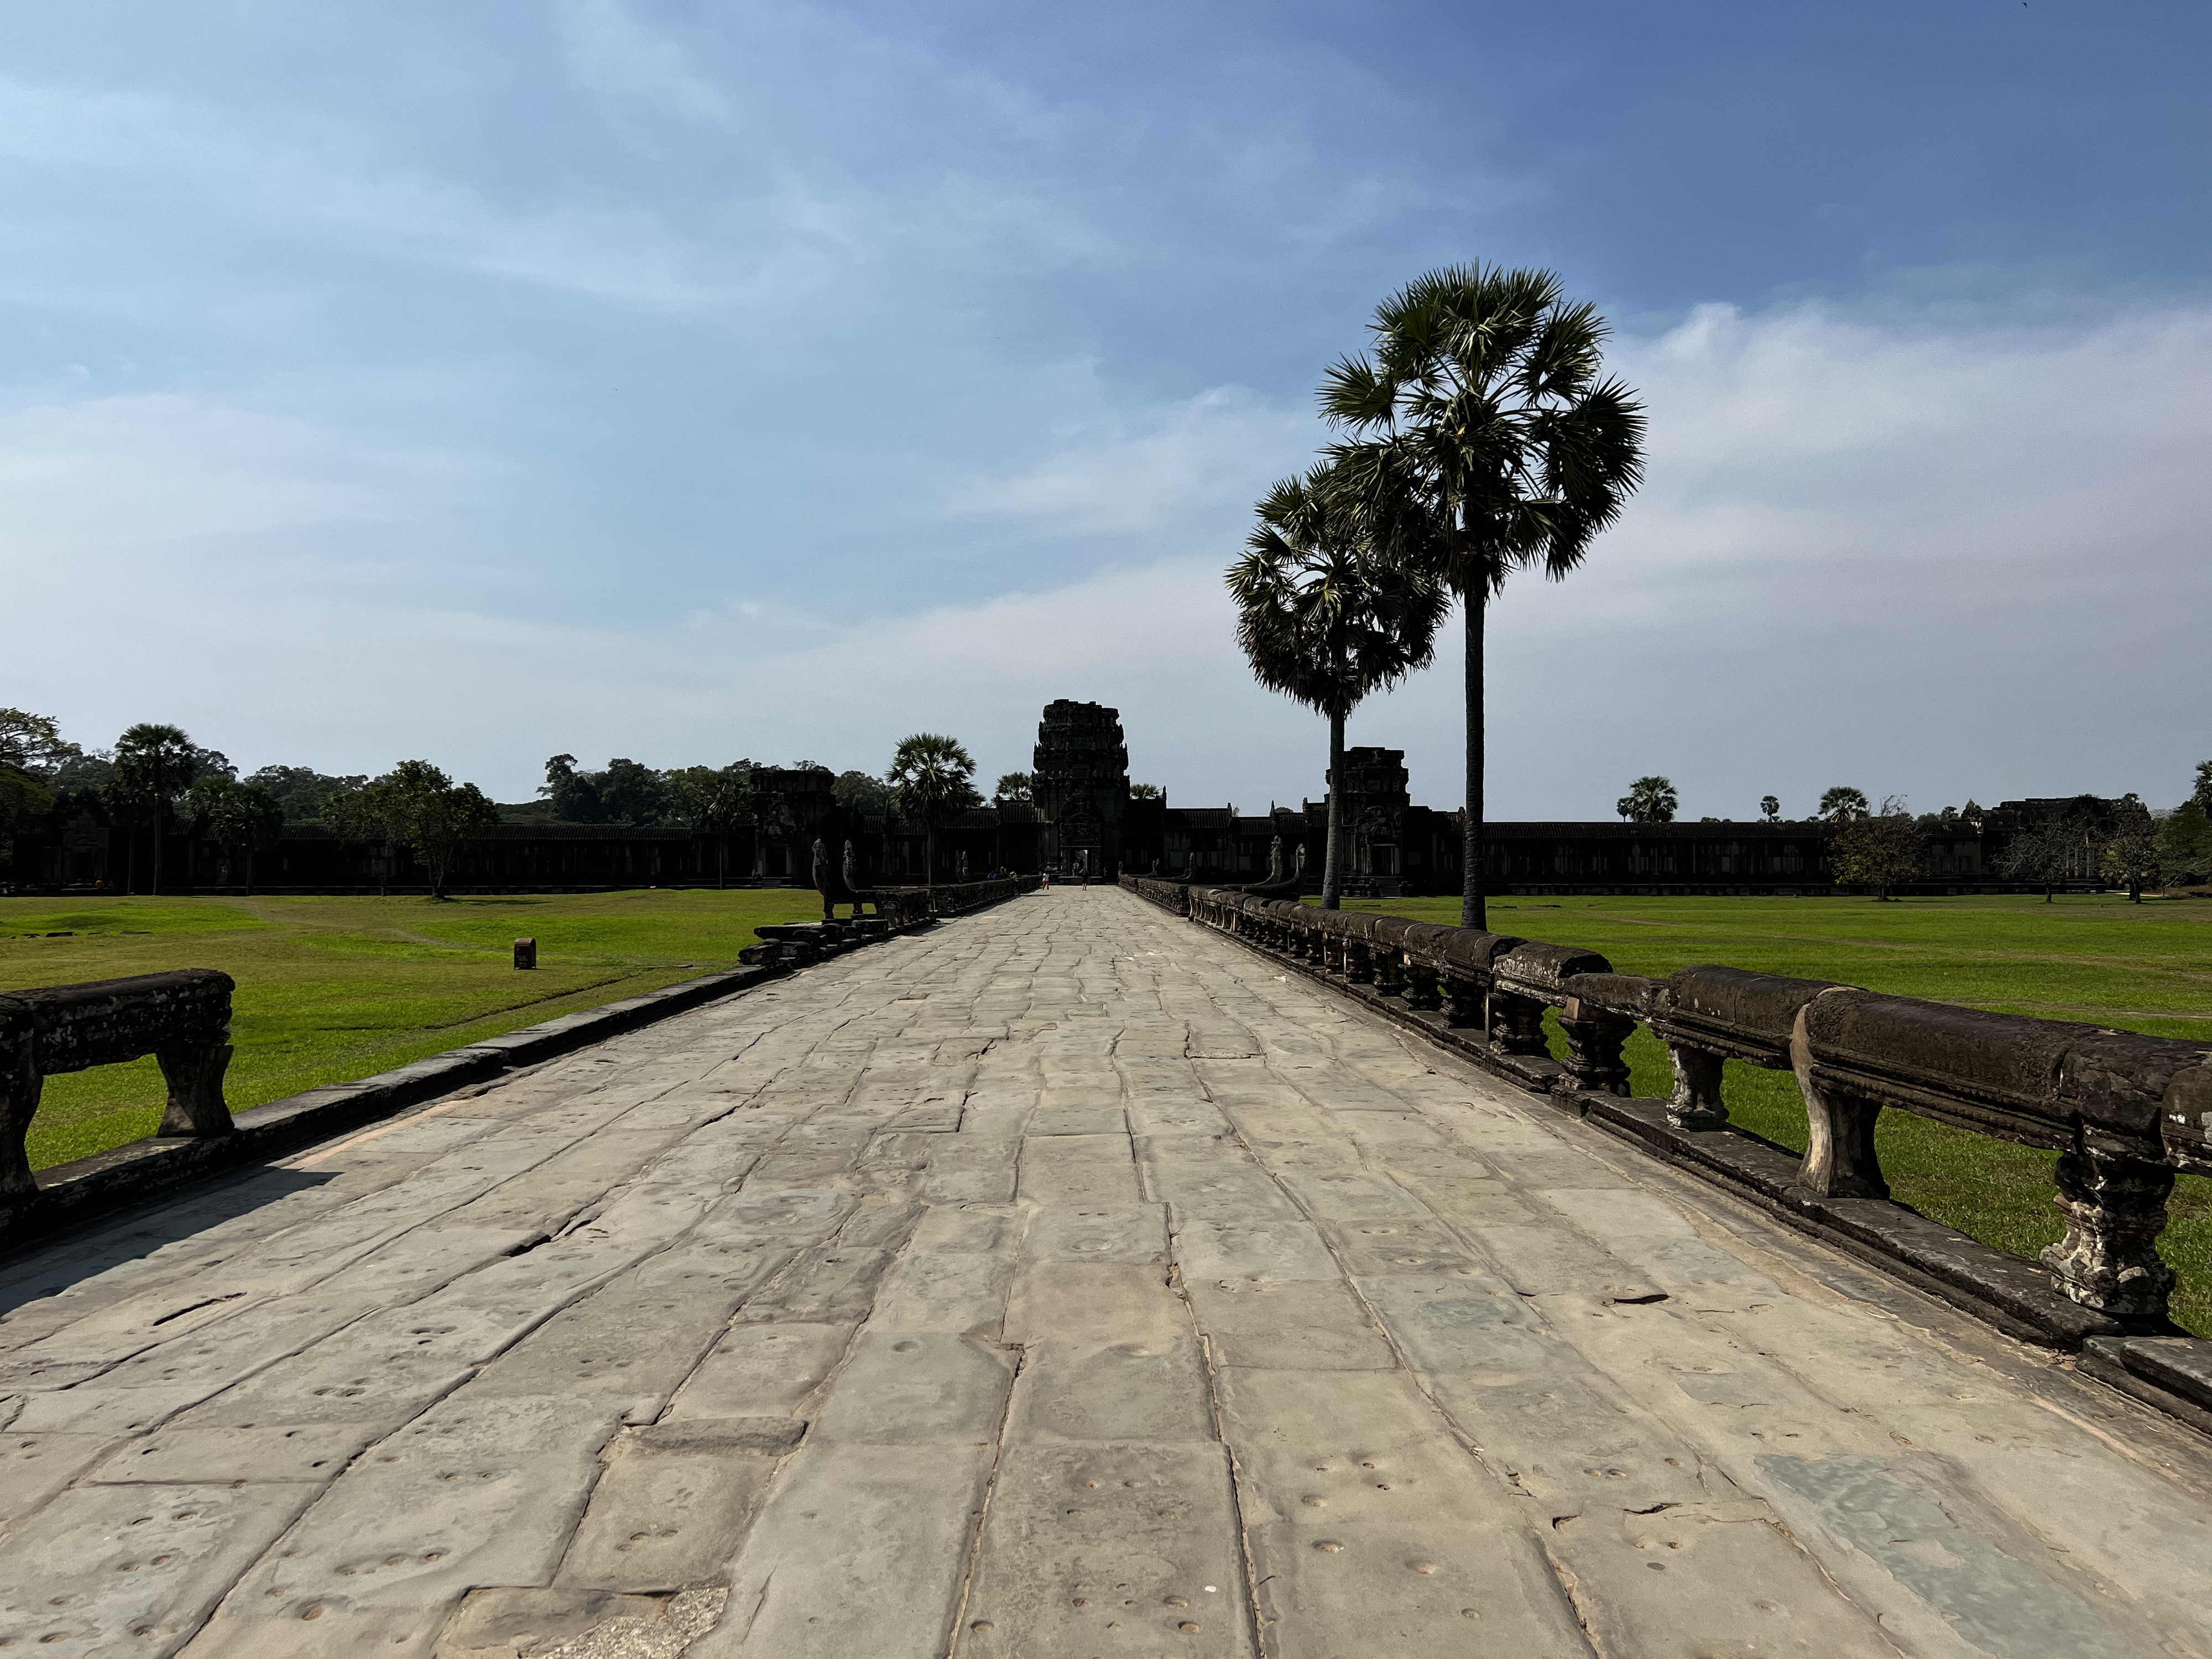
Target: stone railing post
194,1072
1467,1004
1358,962
1696,1103
1516,1024
1422,986
1594,1039
1840,1160
1390,971
2115,1209
21,1085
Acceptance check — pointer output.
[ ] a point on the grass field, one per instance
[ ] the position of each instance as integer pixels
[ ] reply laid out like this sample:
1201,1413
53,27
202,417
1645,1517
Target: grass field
2098,959
330,989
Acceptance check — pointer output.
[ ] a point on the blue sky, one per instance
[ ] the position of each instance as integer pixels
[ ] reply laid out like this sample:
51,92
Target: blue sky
686,382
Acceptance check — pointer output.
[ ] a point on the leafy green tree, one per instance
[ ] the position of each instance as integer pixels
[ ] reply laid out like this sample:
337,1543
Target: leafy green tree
244,819
415,805
574,795
156,763
2130,860
1484,441
1879,850
632,793
22,797
715,800
1770,809
1648,800
31,750
1843,803
2046,854
2185,845
1016,787
1324,620
301,791
861,792
33,743
1143,792
930,783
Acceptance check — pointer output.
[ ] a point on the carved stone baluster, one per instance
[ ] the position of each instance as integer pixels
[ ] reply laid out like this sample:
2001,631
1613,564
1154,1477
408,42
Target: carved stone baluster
1390,972
1421,987
1697,1102
1516,1024
1594,1039
1359,962
1467,1006
21,1086
2115,1209
194,1073
1840,1160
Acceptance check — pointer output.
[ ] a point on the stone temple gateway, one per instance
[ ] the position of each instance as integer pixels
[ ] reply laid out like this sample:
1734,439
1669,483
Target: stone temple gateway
1081,781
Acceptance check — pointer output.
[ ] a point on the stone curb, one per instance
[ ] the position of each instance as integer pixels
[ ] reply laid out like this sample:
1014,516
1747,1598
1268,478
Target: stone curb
71,1194
2171,1373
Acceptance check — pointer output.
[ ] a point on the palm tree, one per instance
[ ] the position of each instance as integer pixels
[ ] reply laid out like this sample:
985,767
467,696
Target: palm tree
1484,442
1325,620
1648,800
1844,804
154,764
929,777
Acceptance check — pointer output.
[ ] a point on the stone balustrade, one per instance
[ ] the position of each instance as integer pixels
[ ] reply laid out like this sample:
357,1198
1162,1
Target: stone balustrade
2124,1112
181,1017
896,910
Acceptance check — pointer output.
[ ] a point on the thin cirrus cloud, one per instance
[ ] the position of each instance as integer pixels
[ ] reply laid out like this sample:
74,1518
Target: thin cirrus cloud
692,383
1814,587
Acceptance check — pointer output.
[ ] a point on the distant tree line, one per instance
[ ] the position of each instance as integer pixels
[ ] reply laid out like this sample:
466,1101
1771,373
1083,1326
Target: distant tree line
1316,621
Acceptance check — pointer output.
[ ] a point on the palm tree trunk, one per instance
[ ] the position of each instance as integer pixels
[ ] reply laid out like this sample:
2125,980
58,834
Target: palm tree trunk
157,849
1473,912
929,856
1332,879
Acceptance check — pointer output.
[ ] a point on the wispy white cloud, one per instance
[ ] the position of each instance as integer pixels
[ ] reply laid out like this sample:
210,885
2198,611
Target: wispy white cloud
1918,563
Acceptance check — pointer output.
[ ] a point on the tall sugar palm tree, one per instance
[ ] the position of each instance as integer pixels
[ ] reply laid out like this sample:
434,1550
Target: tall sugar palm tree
1482,441
930,779
1325,620
1650,800
154,763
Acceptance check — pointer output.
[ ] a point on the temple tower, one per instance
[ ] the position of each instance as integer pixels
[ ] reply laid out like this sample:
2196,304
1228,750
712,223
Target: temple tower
1082,785
1375,798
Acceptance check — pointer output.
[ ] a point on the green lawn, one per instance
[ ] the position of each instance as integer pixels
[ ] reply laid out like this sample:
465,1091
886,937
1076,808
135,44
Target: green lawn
330,989
2097,959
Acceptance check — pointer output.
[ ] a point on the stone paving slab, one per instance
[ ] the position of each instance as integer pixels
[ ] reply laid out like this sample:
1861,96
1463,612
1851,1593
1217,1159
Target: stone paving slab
1062,1281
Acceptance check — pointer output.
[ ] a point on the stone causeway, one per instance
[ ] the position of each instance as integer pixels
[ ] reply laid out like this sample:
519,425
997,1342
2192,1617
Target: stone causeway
1062,1280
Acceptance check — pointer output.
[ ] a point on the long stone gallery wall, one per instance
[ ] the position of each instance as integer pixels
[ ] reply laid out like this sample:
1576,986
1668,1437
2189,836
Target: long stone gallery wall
1084,817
